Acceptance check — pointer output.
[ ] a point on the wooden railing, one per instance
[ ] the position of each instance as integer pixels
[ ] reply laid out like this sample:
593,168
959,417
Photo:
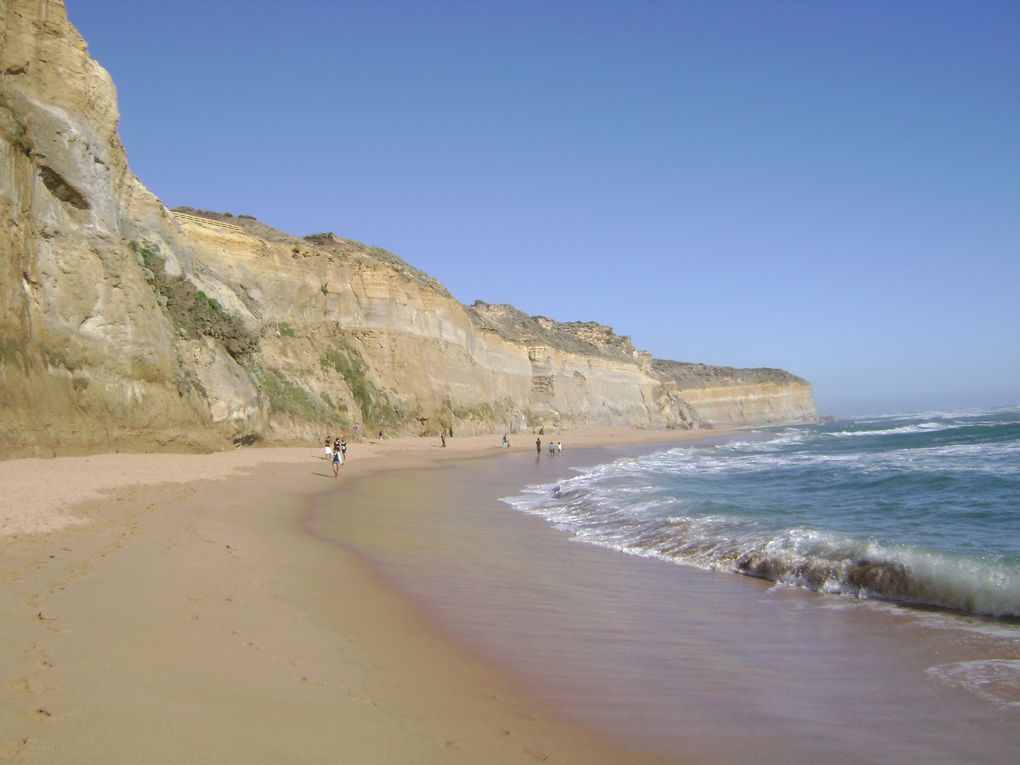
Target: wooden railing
210,221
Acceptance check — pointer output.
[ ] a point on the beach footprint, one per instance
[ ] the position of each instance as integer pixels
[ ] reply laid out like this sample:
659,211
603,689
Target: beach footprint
13,749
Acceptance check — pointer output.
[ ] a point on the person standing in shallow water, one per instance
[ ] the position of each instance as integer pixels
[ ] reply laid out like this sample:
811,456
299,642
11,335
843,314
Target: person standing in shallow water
538,446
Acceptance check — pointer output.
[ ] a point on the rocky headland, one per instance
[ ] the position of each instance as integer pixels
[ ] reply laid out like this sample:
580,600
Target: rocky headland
127,325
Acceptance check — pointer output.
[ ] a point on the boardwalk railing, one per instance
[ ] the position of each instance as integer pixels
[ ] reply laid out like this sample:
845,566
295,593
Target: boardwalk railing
210,221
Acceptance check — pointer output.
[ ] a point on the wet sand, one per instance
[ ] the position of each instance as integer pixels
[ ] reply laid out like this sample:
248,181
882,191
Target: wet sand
673,661
168,608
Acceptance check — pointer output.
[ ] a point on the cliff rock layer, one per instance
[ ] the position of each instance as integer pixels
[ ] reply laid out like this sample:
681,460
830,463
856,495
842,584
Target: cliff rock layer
127,325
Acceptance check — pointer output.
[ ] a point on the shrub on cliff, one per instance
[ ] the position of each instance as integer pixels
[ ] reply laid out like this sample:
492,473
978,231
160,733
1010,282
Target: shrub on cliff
348,363
192,311
15,131
287,397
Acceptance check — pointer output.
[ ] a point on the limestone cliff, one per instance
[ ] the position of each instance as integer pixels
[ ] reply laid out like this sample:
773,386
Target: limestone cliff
728,397
126,325
88,358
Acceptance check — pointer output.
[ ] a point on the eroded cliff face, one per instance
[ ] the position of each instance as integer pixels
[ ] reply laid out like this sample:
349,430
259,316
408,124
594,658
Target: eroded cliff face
728,397
87,356
124,325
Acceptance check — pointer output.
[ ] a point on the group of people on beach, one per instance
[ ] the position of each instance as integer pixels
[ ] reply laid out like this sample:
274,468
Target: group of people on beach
555,447
335,450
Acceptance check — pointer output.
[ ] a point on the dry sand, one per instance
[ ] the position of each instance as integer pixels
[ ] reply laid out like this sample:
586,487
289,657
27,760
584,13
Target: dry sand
169,608
39,494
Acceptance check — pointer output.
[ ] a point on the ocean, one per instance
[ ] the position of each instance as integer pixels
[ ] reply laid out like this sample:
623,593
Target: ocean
916,509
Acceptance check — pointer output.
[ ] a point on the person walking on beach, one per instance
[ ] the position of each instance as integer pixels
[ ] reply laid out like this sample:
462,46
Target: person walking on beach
559,448
504,441
336,459
343,450
327,450
442,438
552,447
538,446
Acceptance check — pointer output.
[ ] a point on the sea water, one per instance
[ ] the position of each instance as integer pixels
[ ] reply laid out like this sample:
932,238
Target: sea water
917,509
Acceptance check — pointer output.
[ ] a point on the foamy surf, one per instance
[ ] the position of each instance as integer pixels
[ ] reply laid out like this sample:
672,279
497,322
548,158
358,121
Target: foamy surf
921,513
995,680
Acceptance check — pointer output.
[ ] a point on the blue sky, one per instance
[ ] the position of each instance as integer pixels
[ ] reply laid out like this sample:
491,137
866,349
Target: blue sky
828,187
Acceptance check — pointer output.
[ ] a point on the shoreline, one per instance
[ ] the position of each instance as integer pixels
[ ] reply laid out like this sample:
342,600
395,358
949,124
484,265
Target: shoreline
33,502
665,658
184,594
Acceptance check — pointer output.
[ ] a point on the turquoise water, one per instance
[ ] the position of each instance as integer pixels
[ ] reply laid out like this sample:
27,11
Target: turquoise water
920,509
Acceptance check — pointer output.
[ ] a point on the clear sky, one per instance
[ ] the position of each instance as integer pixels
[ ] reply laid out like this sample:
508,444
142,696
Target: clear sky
828,187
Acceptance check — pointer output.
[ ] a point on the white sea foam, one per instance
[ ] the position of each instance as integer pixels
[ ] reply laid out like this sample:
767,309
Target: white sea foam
934,414
921,427
805,510
639,523
994,680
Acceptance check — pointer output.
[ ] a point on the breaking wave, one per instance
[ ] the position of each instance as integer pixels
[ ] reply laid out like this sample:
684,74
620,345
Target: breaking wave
929,522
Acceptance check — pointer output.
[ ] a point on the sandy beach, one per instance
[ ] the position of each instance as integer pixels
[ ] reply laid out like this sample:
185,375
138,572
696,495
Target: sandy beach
247,607
170,607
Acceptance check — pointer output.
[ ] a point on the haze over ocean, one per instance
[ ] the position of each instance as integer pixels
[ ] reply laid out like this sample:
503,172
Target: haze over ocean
833,189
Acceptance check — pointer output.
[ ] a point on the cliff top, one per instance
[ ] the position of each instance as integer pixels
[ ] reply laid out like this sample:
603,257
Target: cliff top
325,243
510,323
573,337
582,337
694,375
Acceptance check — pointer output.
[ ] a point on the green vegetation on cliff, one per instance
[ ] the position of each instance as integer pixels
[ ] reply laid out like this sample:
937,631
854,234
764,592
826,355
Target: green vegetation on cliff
345,359
193,312
286,397
16,132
